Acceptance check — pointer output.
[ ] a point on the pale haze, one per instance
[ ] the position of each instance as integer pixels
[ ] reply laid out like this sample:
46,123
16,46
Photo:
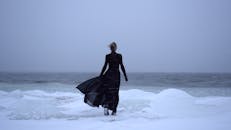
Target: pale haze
152,35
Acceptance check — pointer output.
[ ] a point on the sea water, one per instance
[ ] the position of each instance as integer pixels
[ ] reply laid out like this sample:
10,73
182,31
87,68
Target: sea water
147,100
196,84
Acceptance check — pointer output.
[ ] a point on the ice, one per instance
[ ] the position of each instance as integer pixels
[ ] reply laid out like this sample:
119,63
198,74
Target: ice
169,109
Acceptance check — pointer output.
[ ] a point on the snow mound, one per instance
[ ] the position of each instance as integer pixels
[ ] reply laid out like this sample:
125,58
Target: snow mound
169,109
134,103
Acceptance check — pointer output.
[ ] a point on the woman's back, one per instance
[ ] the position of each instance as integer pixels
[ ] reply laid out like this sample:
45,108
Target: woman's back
114,60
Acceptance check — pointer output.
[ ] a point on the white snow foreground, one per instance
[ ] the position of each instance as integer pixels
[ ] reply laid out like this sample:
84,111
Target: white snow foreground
171,109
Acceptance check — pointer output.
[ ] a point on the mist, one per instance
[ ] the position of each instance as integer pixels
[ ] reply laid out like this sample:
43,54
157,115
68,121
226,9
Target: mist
152,35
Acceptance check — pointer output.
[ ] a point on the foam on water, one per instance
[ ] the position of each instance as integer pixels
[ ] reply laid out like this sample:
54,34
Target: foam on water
169,103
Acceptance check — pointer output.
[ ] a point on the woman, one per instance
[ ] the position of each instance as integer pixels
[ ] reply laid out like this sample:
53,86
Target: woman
104,90
112,79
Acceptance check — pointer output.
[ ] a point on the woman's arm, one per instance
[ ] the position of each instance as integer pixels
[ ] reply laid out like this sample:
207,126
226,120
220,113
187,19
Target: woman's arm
123,68
104,66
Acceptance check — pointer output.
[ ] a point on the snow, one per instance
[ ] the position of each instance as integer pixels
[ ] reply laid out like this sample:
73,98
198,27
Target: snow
171,109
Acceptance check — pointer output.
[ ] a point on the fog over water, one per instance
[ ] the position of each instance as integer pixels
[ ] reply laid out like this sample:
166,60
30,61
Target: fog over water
152,35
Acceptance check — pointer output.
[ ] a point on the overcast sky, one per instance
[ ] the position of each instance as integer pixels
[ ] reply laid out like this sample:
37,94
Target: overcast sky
152,35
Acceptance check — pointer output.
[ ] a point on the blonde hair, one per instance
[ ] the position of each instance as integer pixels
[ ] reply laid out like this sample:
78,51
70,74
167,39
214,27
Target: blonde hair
113,46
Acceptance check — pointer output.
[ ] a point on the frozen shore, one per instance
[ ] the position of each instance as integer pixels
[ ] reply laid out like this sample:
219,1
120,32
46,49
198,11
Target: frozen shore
171,109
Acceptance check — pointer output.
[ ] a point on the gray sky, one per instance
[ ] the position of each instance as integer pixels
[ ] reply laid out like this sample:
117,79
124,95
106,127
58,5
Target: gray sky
152,35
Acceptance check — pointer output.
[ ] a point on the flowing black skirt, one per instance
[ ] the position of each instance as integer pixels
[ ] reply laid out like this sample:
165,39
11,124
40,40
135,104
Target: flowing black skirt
102,90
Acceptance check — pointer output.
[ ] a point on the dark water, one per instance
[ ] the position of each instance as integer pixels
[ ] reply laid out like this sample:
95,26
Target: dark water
140,79
195,83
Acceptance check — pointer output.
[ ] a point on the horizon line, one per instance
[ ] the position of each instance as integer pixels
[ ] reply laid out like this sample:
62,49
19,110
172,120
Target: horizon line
121,72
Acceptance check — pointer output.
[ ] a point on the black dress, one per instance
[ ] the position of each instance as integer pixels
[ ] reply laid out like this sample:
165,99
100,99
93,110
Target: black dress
104,90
